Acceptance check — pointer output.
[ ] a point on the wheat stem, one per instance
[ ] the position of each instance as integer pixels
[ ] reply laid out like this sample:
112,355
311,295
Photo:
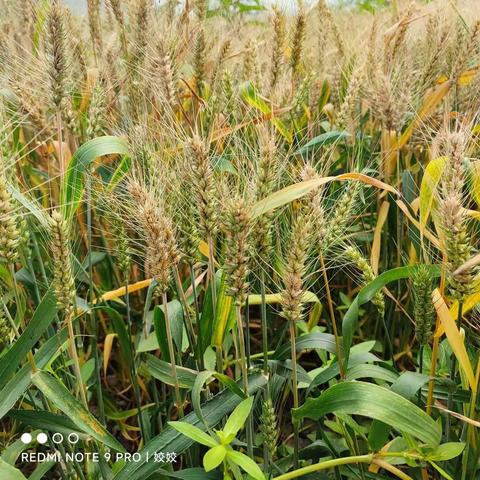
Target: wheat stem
171,352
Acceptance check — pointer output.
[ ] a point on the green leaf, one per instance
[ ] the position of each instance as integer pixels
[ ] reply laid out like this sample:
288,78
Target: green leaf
323,341
321,140
255,100
44,420
71,188
371,371
246,463
43,316
446,451
169,440
194,433
163,371
238,418
40,472
406,385
19,383
214,457
350,320
58,394
7,472
372,401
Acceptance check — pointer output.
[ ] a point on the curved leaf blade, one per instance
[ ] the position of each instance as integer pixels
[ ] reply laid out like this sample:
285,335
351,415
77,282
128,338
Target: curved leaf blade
372,401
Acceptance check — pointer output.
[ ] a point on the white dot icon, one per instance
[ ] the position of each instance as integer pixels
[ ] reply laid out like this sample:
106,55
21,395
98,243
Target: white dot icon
42,438
26,438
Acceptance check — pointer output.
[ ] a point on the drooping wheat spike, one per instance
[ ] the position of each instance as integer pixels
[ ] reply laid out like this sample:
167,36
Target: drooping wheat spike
466,48
295,269
222,57
268,427
63,280
56,55
453,216
424,311
237,251
201,8
302,93
298,40
199,60
229,98
278,45
141,27
341,216
161,251
202,174
395,48
96,112
353,255
9,232
267,170
189,238
347,112
325,15
292,302
5,328
167,75
122,247
94,24
116,8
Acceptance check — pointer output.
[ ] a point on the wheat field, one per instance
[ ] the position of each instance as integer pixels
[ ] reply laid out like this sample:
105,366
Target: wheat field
239,240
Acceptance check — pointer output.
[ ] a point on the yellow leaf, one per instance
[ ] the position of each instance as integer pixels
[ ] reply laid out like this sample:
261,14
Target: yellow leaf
454,338
475,165
377,236
428,188
107,350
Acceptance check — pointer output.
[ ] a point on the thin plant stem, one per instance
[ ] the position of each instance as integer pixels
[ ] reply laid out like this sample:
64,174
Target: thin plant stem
293,346
453,375
192,339
211,273
91,294
133,370
244,370
436,343
61,159
263,311
171,352
74,355
332,317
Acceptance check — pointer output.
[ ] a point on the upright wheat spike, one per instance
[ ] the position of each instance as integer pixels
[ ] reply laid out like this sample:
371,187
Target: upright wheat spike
424,311
57,66
453,217
95,25
9,233
292,299
64,284
298,40
278,45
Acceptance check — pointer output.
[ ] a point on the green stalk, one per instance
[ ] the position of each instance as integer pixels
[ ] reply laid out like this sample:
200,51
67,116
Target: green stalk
244,370
263,311
296,439
192,339
91,295
453,373
133,369
332,317
326,465
171,351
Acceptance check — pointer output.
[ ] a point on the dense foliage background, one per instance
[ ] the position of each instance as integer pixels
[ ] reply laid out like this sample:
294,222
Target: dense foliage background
239,242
